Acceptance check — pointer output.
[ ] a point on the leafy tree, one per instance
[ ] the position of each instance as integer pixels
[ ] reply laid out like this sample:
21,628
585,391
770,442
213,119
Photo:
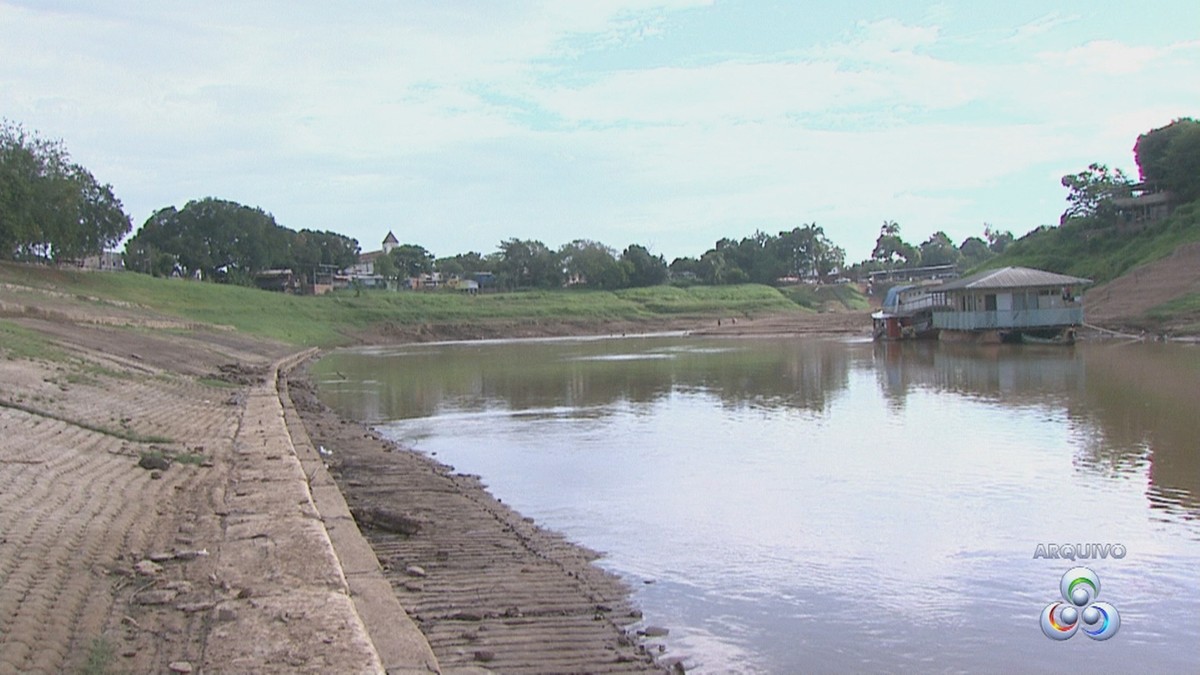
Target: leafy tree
998,241
462,265
939,250
1168,158
593,263
312,250
1091,192
385,266
222,239
681,268
806,251
973,251
51,208
528,263
412,260
713,268
891,249
644,269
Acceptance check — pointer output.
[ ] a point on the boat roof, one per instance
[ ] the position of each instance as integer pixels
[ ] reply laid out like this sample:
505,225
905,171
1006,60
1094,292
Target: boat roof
1012,277
893,293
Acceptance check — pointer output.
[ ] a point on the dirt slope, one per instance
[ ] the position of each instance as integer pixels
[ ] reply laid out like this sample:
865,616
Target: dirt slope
1123,302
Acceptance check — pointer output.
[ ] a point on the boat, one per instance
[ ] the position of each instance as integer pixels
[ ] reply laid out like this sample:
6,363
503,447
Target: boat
906,314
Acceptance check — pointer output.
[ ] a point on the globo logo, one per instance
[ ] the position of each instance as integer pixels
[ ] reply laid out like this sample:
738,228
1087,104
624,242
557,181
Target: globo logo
1079,610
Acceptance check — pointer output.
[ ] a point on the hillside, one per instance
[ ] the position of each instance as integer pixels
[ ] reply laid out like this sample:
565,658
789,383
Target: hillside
1145,278
1162,296
1101,251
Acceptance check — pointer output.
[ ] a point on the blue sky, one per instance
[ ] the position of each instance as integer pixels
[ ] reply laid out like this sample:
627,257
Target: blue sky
667,123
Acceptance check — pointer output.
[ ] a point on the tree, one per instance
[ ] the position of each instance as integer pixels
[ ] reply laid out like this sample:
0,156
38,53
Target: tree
592,264
462,265
644,269
891,249
973,251
939,250
685,268
385,267
806,251
312,251
1092,190
528,263
412,260
51,208
1168,158
221,239
997,240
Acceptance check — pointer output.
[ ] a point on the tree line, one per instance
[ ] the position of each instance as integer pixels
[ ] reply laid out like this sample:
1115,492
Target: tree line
226,241
52,209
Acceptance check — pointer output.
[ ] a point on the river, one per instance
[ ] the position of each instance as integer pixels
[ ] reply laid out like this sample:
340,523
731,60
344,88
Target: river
808,505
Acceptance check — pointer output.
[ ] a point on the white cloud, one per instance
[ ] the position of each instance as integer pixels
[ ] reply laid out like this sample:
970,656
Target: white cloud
1041,25
473,117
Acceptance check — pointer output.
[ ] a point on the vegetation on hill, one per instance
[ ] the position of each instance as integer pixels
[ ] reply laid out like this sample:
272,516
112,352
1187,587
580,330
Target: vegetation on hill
1098,251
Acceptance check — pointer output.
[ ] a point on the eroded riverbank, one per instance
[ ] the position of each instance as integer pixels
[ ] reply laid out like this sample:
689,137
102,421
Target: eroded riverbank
487,586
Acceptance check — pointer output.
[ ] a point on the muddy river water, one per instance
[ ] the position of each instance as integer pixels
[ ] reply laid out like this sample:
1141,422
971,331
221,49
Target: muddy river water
805,505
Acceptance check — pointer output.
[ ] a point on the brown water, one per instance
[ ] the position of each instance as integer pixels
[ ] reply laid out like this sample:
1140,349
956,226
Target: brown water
805,505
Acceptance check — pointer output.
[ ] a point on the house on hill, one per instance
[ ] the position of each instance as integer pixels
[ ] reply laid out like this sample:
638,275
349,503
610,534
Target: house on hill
1010,304
1145,205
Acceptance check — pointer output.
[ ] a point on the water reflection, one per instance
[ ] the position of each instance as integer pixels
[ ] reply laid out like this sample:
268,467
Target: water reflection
1131,405
592,375
809,505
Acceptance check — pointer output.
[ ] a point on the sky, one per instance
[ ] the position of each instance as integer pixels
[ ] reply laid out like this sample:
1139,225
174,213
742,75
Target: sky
666,123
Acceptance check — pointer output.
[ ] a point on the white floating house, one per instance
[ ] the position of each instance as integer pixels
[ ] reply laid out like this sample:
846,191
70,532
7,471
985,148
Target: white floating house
1010,304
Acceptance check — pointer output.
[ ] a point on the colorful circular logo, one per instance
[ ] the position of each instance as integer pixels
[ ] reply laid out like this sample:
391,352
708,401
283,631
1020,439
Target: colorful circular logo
1079,610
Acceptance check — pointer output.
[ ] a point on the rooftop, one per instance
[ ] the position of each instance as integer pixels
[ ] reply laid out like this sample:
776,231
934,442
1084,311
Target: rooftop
1012,277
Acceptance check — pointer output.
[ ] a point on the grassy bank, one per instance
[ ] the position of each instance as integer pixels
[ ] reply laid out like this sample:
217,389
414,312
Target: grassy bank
334,319
838,297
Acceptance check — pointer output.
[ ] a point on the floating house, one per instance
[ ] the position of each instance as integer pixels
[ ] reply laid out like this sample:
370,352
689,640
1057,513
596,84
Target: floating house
1011,304
906,314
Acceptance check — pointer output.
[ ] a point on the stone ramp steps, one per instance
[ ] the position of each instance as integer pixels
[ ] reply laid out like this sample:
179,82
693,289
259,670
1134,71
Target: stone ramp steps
494,591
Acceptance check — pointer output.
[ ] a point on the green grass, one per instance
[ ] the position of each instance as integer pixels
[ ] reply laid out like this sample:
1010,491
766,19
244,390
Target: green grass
334,319
823,298
192,458
18,342
99,658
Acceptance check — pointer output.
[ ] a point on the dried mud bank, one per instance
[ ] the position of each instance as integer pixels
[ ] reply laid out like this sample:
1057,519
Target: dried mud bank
488,588
158,515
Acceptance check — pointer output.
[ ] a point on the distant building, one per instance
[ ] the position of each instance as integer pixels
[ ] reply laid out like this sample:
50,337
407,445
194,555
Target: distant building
390,242
928,272
363,271
106,261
